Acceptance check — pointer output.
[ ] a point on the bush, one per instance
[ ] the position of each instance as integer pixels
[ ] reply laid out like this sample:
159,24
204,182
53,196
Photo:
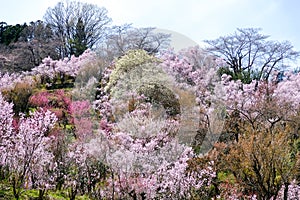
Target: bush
19,96
129,61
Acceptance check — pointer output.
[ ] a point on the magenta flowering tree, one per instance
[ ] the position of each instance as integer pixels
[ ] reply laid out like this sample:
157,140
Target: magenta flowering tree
57,102
40,99
83,118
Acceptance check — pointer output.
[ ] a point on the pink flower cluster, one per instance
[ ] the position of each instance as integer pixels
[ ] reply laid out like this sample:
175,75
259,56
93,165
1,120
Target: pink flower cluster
67,66
24,149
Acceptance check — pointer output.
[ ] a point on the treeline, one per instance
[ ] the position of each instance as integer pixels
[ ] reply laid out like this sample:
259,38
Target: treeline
69,29
23,47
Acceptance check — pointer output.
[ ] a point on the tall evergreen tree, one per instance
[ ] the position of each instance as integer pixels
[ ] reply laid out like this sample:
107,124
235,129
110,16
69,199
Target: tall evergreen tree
10,33
79,43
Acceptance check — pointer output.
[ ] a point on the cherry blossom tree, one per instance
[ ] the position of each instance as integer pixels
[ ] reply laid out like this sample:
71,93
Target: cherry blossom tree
145,160
63,69
24,149
30,161
196,71
262,113
6,129
247,51
8,81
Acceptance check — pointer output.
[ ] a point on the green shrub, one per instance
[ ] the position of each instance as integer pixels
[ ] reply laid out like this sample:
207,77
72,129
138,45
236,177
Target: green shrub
19,96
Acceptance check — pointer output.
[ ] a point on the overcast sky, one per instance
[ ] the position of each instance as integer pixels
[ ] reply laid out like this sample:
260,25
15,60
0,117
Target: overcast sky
196,19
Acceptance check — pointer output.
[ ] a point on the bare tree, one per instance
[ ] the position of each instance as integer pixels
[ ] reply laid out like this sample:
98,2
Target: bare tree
68,20
125,37
247,51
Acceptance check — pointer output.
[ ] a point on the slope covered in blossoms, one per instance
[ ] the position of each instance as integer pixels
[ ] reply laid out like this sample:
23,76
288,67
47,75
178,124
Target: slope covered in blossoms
147,126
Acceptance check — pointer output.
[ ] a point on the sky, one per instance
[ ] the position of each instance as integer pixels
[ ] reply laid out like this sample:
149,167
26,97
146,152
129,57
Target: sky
193,20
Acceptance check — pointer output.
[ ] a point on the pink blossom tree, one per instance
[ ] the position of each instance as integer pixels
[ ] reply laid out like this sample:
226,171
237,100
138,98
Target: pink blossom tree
146,161
68,68
6,129
8,81
196,71
25,150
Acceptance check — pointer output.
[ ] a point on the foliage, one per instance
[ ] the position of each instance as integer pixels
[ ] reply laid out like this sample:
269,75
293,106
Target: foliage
158,94
259,164
24,46
36,42
87,79
19,95
10,33
261,121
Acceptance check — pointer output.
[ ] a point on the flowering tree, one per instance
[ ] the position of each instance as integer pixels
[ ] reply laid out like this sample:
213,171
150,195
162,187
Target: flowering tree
290,191
7,81
196,71
145,160
59,102
25,149
81,115
63,69
85,166
247,51
262,117
6,129
137,146
287,91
